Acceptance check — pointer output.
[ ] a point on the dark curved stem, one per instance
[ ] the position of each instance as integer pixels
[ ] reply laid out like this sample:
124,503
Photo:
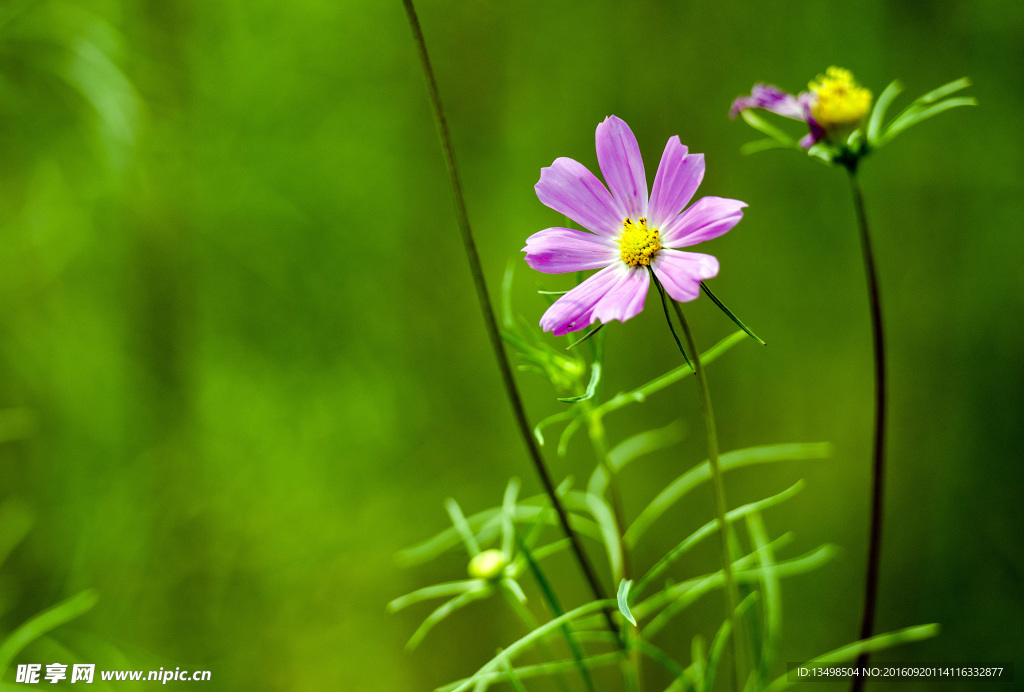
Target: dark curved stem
491,321
867,624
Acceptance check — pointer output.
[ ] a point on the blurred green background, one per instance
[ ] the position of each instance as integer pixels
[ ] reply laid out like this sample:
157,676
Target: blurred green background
241,362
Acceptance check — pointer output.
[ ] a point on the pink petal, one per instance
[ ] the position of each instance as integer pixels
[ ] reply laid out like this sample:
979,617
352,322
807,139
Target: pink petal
772,99
678,177
569,188
559,250
708,218
618,154
626,299
574,310
681,272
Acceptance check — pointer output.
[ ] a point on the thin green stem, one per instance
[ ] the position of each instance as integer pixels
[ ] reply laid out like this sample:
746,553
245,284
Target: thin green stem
556,609
721,508
490,320
596,432
867,625
598,441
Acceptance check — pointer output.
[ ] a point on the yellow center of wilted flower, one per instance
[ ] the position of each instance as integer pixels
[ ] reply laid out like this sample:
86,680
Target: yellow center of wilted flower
842,103
487,565
638,243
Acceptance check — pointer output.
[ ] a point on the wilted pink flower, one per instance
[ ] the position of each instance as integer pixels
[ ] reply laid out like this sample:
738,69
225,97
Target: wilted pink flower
629,232
833,108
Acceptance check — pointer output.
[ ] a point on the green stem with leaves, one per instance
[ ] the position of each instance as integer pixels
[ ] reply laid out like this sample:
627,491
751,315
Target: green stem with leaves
867,625
721,508
490,320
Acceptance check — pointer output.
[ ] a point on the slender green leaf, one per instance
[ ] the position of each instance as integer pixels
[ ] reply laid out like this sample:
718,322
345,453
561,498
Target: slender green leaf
644,443
709,529
550,549
508,517
632,448
945,90
702,473
762,125
462,526
660,657
450,588
864,646
40,624
671,377
678,597
605,519
907,120
698,660
513,678
772,631
623,598
881,106
556,608
567,433
443,611
730,314
720,640
595,377
759,145
551,420
542,669
525,642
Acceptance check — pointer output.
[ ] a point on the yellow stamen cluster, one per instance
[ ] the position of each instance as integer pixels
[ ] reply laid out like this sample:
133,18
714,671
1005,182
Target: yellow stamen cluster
842,104
638,244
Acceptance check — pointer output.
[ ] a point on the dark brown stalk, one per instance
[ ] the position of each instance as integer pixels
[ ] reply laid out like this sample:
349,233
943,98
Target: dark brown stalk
490,320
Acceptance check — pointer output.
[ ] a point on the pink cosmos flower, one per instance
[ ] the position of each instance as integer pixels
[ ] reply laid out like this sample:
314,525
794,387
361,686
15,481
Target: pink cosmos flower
629,231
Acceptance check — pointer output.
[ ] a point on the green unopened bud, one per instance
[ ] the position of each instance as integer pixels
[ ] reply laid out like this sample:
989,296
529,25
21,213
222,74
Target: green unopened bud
490,564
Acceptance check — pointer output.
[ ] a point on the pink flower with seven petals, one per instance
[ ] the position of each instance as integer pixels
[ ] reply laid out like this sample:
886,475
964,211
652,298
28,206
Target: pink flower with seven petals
629,231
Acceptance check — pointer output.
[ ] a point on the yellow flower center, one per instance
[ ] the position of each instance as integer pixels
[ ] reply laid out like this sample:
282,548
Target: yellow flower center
842,103
638,244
